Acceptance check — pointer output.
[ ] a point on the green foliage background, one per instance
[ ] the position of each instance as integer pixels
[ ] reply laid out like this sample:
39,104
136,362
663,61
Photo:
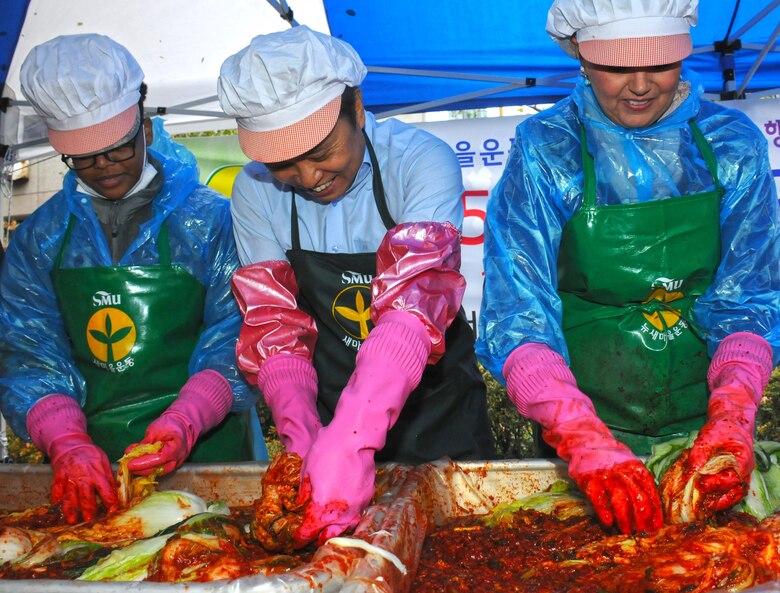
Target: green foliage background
768,420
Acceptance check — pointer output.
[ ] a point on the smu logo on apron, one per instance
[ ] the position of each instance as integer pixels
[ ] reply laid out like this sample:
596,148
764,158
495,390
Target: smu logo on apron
664,324
111,334
351,308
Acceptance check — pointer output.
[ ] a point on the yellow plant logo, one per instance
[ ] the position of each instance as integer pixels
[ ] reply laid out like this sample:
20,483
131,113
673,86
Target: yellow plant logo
222,179
661,320
352,310
110,335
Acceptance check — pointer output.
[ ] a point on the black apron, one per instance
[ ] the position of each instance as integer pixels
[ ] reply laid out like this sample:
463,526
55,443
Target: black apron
447,414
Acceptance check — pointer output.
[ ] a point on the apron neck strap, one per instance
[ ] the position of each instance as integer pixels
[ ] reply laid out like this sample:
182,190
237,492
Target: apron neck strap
588,171
65,240
379,188
706,152
296,234
163,246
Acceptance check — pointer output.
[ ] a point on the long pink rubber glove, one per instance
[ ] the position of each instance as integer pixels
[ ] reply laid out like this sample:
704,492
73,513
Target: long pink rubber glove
82,472
275,348
415,295
289,386
267,294
202,403
418,271
619,486
338,472
738,374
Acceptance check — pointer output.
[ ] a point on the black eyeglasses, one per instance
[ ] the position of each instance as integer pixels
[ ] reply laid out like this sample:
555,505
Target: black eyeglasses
115,155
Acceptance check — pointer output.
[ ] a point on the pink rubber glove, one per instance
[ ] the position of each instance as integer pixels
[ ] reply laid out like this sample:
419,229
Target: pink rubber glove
418,271
202,404
289,386
82,472
621,489
267,293
275,349
338,472
738,374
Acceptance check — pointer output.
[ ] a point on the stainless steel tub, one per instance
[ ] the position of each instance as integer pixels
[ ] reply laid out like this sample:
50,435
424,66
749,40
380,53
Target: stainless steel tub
394,520
411,500
445,490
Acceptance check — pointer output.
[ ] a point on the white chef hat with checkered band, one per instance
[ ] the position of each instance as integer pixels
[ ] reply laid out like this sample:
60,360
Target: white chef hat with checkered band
86,87
284,89
624,33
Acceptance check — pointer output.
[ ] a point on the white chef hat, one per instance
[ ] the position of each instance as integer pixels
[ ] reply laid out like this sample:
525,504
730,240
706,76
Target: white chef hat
624,33
87,88
284,90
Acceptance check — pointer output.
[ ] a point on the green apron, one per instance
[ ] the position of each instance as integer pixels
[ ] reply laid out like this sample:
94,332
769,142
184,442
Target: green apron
132,336
628,277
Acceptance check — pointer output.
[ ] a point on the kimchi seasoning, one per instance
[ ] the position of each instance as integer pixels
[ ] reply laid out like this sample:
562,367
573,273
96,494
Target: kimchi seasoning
541,554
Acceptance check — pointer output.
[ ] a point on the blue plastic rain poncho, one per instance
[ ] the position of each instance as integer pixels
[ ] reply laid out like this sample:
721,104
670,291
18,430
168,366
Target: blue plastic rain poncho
35,352
541,189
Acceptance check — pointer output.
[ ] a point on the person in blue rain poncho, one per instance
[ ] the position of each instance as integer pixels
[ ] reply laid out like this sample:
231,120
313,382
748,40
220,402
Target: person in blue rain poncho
117,321
632,280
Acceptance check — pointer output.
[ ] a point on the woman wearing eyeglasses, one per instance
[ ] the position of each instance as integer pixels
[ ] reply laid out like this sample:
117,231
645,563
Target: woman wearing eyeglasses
117,323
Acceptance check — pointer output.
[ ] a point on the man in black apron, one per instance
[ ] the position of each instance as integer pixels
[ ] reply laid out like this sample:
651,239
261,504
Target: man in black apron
351,287
144,321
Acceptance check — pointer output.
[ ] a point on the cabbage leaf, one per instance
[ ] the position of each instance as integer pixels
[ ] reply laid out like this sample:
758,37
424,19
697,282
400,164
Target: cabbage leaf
763,496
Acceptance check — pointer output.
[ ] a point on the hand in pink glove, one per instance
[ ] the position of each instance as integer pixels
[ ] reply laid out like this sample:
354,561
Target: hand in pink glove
621,489
289,386
82,471
737,377
202,404
275,348
338,472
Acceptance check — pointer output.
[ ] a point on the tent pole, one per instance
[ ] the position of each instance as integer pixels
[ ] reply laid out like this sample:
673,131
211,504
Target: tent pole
513,84
764,51
7,191
284,11
726,62
432,105
749,25
547,80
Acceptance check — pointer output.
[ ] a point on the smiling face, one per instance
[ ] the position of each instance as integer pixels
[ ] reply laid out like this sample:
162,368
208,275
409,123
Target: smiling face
113,180
633,97
327,171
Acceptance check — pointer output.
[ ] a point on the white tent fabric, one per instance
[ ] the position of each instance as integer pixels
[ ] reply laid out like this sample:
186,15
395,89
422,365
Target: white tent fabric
180,45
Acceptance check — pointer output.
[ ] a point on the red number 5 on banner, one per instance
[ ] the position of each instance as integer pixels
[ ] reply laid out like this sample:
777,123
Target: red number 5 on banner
474,203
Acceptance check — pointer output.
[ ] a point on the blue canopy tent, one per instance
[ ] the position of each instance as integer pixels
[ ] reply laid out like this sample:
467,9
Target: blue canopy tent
422,55
431,55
